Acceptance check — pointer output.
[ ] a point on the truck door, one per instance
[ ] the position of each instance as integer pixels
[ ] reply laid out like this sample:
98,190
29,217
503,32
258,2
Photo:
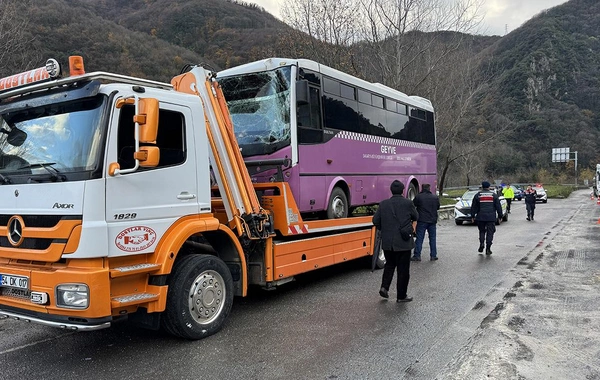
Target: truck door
141,205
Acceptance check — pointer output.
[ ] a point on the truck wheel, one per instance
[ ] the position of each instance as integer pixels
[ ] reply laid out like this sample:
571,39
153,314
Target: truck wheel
412,191
199,298
338,204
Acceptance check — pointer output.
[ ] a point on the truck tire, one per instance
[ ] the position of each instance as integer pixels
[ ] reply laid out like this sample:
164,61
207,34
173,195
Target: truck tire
458,222
338,204
412,191
199,298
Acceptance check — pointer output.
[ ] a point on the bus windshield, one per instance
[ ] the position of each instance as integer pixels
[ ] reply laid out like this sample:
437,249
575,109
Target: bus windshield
259,104
60,138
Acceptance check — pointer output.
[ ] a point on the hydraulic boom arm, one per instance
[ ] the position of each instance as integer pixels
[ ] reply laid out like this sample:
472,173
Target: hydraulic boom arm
239,197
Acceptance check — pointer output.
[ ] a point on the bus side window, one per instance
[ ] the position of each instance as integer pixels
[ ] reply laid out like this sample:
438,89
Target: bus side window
310,130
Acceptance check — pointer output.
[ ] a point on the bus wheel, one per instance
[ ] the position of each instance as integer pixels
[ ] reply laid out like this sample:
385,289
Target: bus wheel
199,298
412,191
338,204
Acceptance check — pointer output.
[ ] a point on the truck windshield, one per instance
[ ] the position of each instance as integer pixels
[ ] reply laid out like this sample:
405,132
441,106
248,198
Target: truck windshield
60,138
259,104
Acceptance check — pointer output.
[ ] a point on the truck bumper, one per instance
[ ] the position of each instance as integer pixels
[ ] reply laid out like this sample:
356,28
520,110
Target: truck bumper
26,304
54,321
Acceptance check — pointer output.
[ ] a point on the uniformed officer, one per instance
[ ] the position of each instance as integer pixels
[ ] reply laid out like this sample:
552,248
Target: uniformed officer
484,209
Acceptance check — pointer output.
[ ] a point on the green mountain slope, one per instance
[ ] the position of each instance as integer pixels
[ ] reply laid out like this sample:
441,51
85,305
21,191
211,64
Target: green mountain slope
549,85
229,32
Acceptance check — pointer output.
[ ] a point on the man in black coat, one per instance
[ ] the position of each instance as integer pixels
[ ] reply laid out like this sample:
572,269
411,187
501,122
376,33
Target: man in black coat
427,205
484,208
396,218
530,199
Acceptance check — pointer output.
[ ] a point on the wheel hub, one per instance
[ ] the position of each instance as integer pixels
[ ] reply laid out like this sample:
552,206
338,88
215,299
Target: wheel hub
206,297
338,207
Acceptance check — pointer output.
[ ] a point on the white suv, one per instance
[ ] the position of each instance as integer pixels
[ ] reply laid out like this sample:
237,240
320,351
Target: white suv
541,195
462,208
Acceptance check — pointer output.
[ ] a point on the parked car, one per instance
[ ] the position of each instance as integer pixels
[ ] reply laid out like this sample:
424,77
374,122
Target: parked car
541,194
462,209
519,192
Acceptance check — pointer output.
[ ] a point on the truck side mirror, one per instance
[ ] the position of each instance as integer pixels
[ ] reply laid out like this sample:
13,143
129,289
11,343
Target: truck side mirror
148,120
148,156
302,93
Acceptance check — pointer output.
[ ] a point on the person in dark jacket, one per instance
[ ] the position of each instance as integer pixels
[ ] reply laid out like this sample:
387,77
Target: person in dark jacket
392,217
427,205
484,210
530,199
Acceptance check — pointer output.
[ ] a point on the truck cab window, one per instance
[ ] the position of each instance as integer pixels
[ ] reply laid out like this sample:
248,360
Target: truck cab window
170,138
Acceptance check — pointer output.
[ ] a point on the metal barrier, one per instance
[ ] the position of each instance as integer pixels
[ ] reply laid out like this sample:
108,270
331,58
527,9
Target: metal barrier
446,212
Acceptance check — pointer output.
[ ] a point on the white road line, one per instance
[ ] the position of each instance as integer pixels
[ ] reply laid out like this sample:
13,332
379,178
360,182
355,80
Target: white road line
34,343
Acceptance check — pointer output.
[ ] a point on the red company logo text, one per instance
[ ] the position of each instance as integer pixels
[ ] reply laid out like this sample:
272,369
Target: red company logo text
135,239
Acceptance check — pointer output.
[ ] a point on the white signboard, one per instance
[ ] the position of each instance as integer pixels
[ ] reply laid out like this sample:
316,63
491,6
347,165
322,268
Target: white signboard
560,154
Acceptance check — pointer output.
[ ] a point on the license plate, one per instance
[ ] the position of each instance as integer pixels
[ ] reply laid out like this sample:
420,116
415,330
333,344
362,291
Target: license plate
19,282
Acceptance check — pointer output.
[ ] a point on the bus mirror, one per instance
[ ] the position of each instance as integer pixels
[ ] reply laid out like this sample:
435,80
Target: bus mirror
148,120
148,156
302,94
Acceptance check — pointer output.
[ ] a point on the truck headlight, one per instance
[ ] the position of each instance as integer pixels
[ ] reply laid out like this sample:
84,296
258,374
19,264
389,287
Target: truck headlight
73,296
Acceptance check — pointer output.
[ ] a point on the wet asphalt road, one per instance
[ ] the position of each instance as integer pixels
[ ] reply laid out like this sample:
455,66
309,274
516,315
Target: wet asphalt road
330,324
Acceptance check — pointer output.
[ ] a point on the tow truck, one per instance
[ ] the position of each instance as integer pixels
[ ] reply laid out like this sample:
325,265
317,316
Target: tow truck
128,199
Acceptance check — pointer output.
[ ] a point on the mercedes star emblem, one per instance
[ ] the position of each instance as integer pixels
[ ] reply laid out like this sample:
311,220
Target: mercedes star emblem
15,231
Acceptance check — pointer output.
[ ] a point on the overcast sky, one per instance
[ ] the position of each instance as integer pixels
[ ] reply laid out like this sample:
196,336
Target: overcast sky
499,14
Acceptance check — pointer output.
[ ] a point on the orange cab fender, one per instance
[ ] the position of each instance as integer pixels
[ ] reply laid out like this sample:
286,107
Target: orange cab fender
174,238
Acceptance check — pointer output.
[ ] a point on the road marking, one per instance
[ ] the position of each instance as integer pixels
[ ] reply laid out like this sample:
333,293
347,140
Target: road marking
34,343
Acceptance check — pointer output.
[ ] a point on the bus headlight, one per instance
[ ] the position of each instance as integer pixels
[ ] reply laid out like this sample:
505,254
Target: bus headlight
73,296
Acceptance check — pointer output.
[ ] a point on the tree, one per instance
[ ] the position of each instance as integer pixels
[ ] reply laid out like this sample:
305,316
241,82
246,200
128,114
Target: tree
324,30
14,54
407,41
416,46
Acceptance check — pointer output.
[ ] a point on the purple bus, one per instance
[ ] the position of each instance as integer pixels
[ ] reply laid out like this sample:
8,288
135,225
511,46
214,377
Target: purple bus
338,141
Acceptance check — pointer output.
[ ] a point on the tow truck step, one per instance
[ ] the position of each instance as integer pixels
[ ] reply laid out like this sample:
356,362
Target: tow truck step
133,269
133,299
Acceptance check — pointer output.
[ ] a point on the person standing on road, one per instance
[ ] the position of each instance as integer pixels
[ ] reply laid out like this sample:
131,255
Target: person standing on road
427,205
484,209
396,219
509,195
530,198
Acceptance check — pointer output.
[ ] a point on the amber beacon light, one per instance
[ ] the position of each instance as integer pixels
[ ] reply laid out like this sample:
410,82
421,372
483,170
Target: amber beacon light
76,65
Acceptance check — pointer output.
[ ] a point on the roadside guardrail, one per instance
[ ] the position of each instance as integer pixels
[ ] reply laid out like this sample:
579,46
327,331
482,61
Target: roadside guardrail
446,212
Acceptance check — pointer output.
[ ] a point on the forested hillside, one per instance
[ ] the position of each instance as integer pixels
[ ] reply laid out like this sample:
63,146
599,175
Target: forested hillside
502,102
151,39
229,32
548,83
